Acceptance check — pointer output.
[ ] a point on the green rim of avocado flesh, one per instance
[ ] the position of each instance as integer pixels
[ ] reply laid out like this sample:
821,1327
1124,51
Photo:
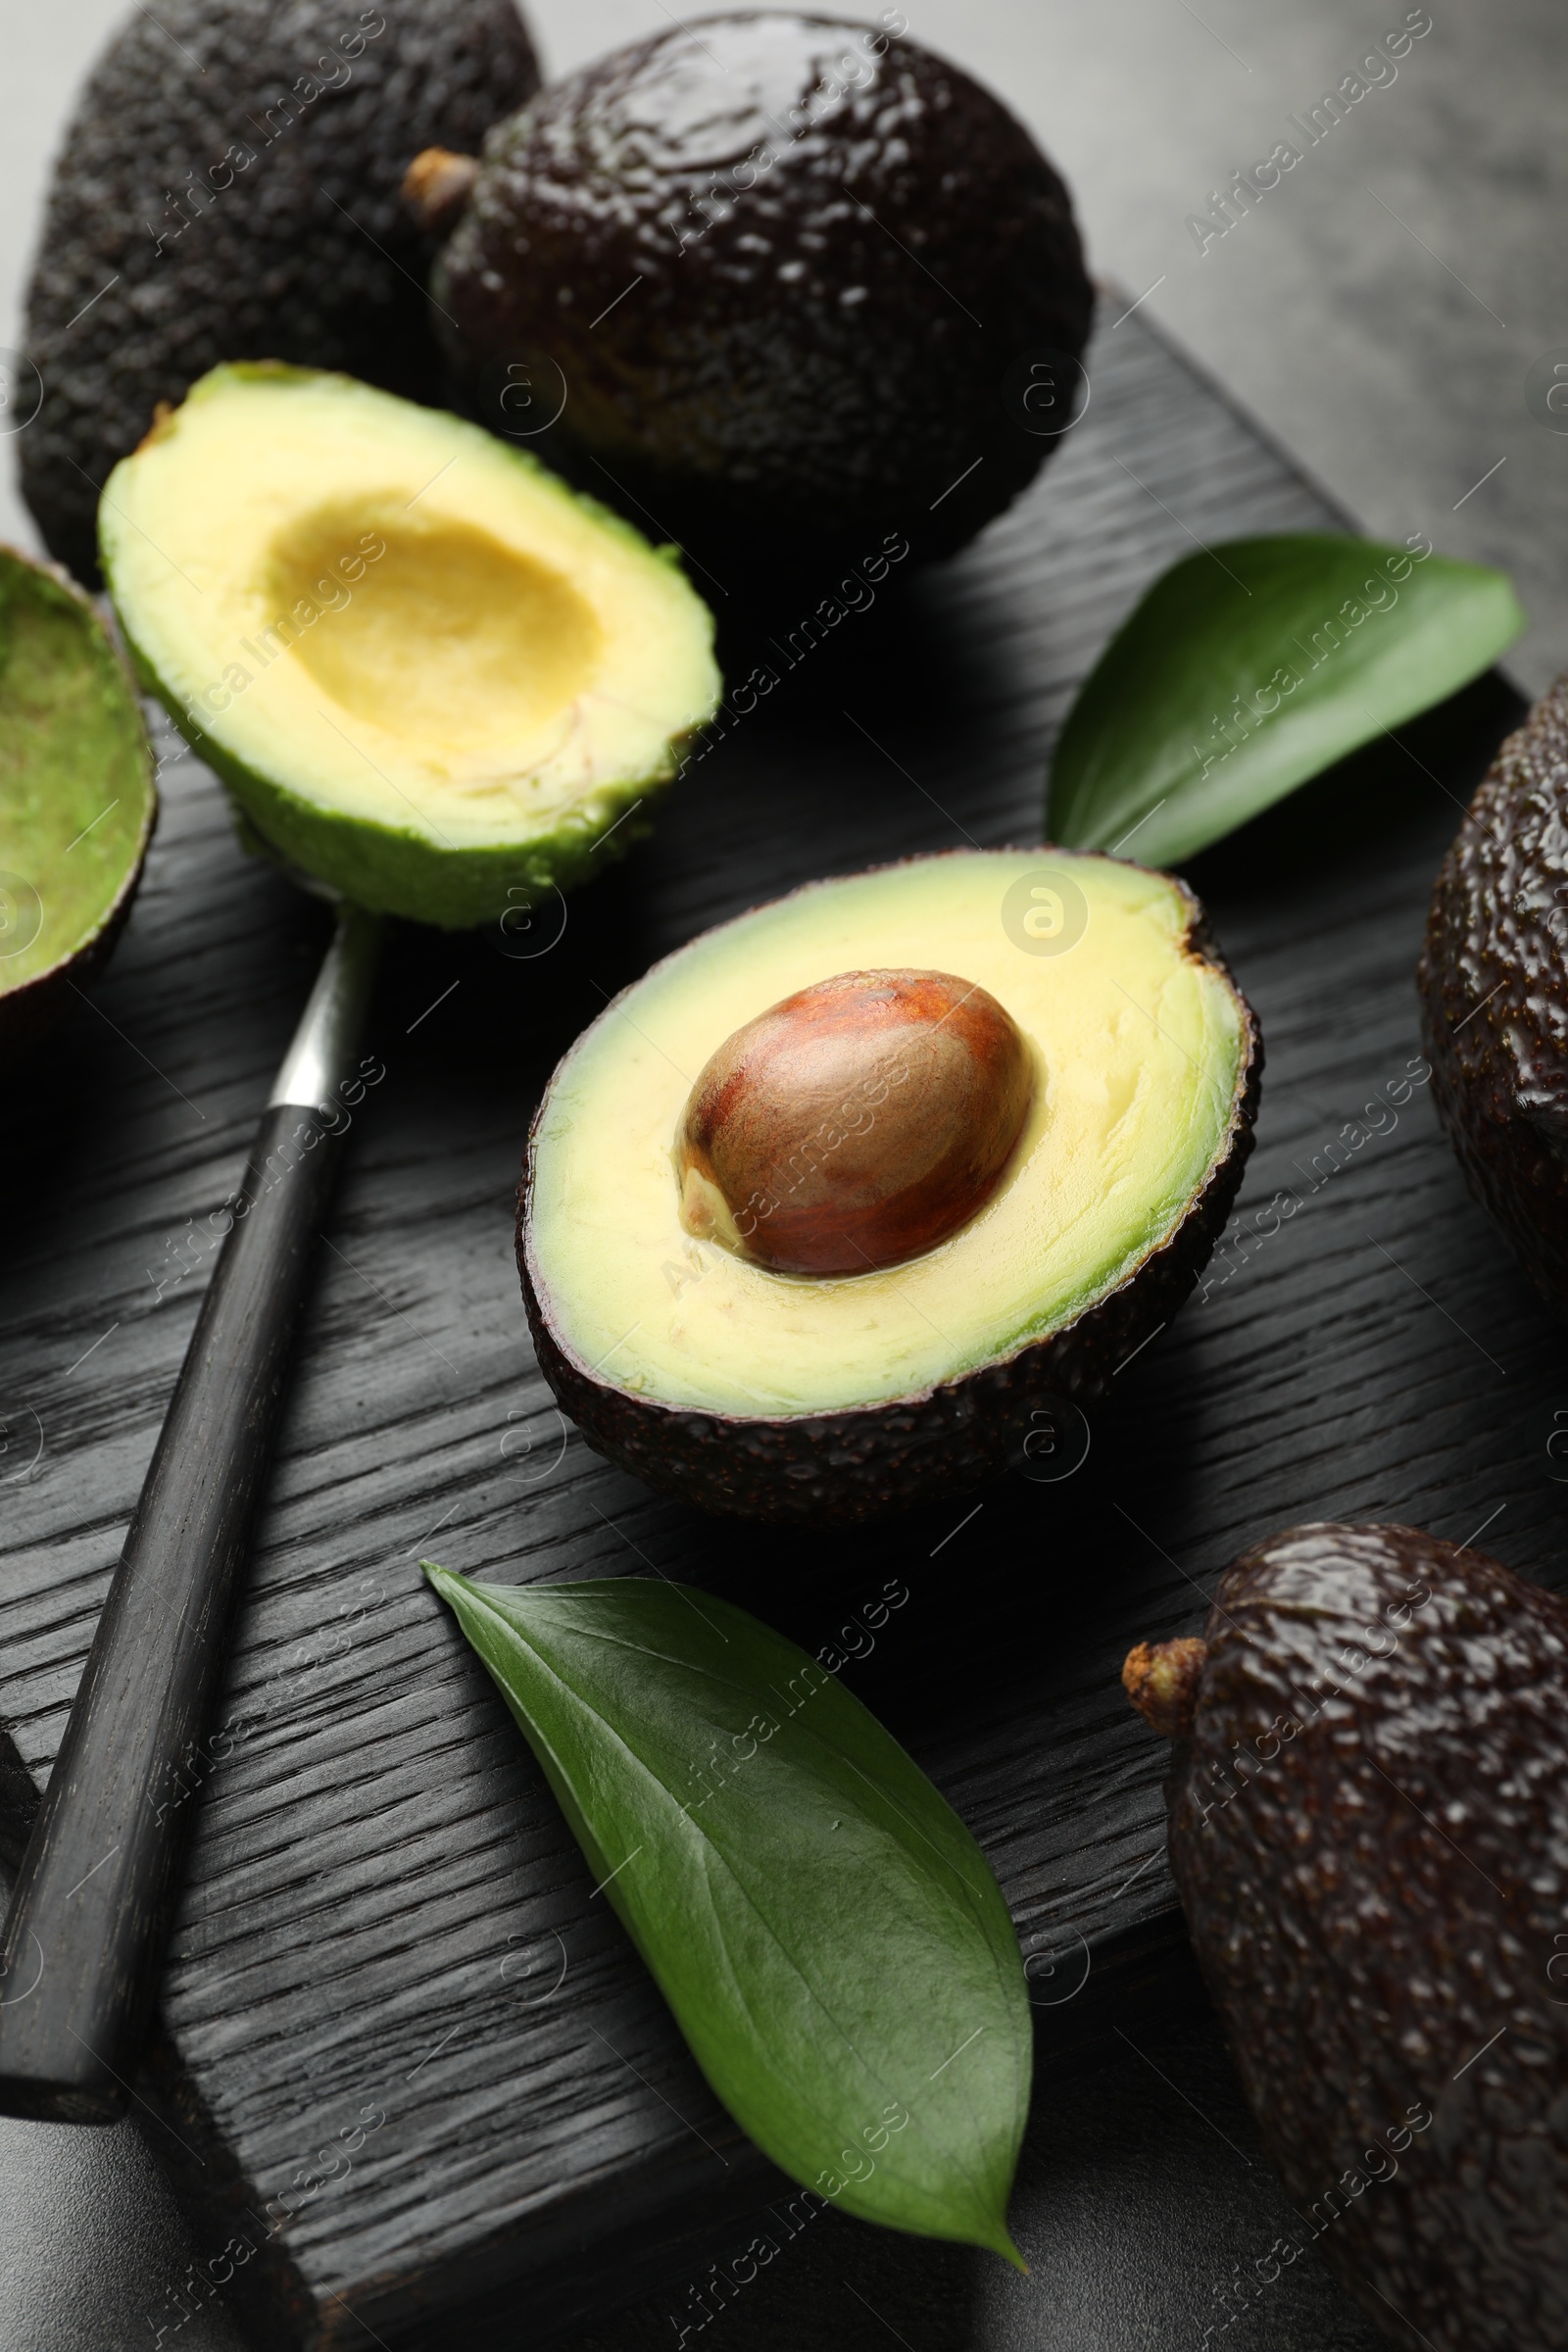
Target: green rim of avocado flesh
428,672
77,795
779,1396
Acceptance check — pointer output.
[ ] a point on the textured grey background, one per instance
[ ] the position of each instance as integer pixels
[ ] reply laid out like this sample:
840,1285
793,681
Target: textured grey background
1379,314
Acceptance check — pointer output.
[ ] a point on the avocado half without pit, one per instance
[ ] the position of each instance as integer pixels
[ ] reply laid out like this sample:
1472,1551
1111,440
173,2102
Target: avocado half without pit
429,674
76,799
819,1211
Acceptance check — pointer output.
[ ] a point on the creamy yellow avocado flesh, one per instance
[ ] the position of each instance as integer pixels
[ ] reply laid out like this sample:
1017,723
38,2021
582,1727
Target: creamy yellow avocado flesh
379,616
1138,1051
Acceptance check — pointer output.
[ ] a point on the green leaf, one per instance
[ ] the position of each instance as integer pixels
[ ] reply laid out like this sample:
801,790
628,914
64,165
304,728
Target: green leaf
1248,669
827,1932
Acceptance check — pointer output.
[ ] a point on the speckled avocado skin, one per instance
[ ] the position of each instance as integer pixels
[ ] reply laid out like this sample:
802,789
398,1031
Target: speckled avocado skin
1370,1835
304,253
1494,980
814,300
876,1460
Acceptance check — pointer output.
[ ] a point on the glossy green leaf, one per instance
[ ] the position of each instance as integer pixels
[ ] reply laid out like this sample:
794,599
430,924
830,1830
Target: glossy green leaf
1247,669
827,1932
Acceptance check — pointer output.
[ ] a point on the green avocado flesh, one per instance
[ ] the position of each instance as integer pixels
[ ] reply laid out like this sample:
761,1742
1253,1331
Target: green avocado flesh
77,795
429,673
1138,1045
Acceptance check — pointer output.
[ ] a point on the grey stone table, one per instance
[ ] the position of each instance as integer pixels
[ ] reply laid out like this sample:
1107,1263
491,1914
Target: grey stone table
1361,316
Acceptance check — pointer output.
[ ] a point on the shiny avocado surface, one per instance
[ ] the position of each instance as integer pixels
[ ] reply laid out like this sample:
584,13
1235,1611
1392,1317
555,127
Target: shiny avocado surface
228,188
1494,980
780,317
1369,1830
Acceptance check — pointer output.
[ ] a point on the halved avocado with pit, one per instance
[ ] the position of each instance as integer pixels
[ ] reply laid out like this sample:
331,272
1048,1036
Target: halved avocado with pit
757,1389
76,798
428,672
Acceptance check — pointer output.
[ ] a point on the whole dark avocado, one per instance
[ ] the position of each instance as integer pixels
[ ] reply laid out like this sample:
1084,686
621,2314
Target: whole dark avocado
790,275
1370,1829
1493,982
228,189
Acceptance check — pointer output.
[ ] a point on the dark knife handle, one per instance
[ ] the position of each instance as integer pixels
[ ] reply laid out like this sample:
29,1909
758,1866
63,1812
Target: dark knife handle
90,1914
89,1919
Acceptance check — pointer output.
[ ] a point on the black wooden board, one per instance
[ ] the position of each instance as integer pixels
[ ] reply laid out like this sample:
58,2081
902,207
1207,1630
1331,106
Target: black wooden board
390,1997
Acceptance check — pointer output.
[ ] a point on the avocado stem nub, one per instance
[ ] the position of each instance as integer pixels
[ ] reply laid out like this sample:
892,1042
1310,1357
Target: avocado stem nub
1161,1681
436,186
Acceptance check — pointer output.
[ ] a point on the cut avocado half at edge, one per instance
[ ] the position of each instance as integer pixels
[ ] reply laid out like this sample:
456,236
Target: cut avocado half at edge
76,798
429,673
776,1396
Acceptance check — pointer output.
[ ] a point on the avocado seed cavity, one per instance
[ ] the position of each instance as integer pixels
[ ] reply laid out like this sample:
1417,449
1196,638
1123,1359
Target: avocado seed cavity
855,1124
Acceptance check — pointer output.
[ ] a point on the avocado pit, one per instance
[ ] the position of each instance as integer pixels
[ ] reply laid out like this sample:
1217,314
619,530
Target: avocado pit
855,1124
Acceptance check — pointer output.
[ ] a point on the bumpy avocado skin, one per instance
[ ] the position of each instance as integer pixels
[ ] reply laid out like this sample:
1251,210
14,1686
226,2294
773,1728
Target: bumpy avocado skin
305,252
812,318
1493,981
1370,1835
872,1461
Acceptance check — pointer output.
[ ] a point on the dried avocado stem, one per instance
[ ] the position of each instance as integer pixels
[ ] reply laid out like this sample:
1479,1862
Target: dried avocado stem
436,186
1163,1679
